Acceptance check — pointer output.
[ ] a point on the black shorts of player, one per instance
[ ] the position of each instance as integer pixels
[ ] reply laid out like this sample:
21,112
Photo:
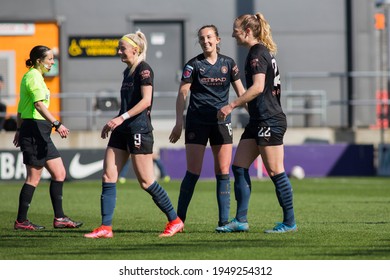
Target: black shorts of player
264,133
139,143
35,142
218,134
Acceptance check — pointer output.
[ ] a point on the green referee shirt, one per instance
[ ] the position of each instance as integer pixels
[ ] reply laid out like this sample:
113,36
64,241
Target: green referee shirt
32,89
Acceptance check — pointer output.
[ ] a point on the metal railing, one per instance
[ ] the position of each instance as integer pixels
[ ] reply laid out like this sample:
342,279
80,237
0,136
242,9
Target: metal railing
303,107
352,105
307,103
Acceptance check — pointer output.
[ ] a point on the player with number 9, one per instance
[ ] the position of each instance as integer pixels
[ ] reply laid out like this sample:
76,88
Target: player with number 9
131,134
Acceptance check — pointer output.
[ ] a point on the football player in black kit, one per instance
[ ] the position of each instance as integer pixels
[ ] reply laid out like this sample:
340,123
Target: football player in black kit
208,76
131,134
267,123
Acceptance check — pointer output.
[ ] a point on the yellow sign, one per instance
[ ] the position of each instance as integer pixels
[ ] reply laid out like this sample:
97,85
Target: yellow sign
88,47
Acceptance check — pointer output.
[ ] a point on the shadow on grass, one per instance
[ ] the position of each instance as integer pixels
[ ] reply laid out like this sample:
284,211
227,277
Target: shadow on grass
145,244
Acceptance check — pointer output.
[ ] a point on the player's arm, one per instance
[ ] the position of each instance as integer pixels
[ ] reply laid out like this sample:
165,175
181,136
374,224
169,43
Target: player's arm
142,105
180,106
251,93
238,87
181,101
240,90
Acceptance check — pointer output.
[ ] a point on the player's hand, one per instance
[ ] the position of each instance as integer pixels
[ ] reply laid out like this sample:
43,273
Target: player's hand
105,131
110,126
63,131
176,133
224,112
16,139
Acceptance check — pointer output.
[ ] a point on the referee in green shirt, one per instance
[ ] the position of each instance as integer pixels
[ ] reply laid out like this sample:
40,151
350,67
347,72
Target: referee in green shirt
35,124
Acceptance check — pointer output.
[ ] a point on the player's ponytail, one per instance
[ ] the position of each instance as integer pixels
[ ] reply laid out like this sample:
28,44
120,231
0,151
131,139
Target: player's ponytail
260,28
143,45
265,35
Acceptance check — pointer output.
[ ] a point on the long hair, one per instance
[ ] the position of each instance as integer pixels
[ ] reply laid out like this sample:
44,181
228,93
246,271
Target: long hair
260,28
140,40
37,52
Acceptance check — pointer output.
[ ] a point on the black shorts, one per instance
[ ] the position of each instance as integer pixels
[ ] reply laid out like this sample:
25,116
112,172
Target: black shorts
139,143
218,134
35,142
264,133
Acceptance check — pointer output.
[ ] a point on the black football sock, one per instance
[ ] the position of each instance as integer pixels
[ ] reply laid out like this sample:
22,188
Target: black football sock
25,197
56,198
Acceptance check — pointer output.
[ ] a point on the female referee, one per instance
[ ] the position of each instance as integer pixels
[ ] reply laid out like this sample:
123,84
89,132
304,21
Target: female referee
131,134
267,123
34,125
208,76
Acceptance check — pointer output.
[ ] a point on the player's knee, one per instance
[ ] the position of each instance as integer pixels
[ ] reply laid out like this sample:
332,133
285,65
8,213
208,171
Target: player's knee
33,182
222,169
59,175
108,177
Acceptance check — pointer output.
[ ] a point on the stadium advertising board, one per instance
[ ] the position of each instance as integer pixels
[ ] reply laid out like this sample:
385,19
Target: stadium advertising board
79,164
316,161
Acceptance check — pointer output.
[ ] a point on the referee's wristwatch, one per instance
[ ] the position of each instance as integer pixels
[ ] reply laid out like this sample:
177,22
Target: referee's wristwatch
56,124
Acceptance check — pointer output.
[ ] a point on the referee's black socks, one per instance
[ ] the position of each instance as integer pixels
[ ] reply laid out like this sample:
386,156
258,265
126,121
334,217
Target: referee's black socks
25,197
56,198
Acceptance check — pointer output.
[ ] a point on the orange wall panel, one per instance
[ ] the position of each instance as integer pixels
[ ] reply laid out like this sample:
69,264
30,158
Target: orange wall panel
45,34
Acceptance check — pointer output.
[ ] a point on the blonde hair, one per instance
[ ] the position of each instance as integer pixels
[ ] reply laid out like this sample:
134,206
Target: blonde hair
141,43
260,28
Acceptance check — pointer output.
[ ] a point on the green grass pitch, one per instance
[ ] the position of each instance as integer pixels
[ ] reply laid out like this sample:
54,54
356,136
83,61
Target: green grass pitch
337,218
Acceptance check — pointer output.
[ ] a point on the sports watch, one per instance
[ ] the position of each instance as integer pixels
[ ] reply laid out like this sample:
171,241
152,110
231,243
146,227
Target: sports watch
56,124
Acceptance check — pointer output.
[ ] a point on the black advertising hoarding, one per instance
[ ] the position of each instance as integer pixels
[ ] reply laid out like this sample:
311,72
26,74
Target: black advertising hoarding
93,46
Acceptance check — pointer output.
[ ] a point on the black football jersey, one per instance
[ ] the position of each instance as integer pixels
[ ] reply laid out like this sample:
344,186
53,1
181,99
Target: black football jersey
131,95
210,84
266,104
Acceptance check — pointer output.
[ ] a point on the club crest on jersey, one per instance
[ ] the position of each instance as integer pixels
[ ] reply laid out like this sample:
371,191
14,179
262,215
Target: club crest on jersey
254,62
224,69
187,71
145,74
